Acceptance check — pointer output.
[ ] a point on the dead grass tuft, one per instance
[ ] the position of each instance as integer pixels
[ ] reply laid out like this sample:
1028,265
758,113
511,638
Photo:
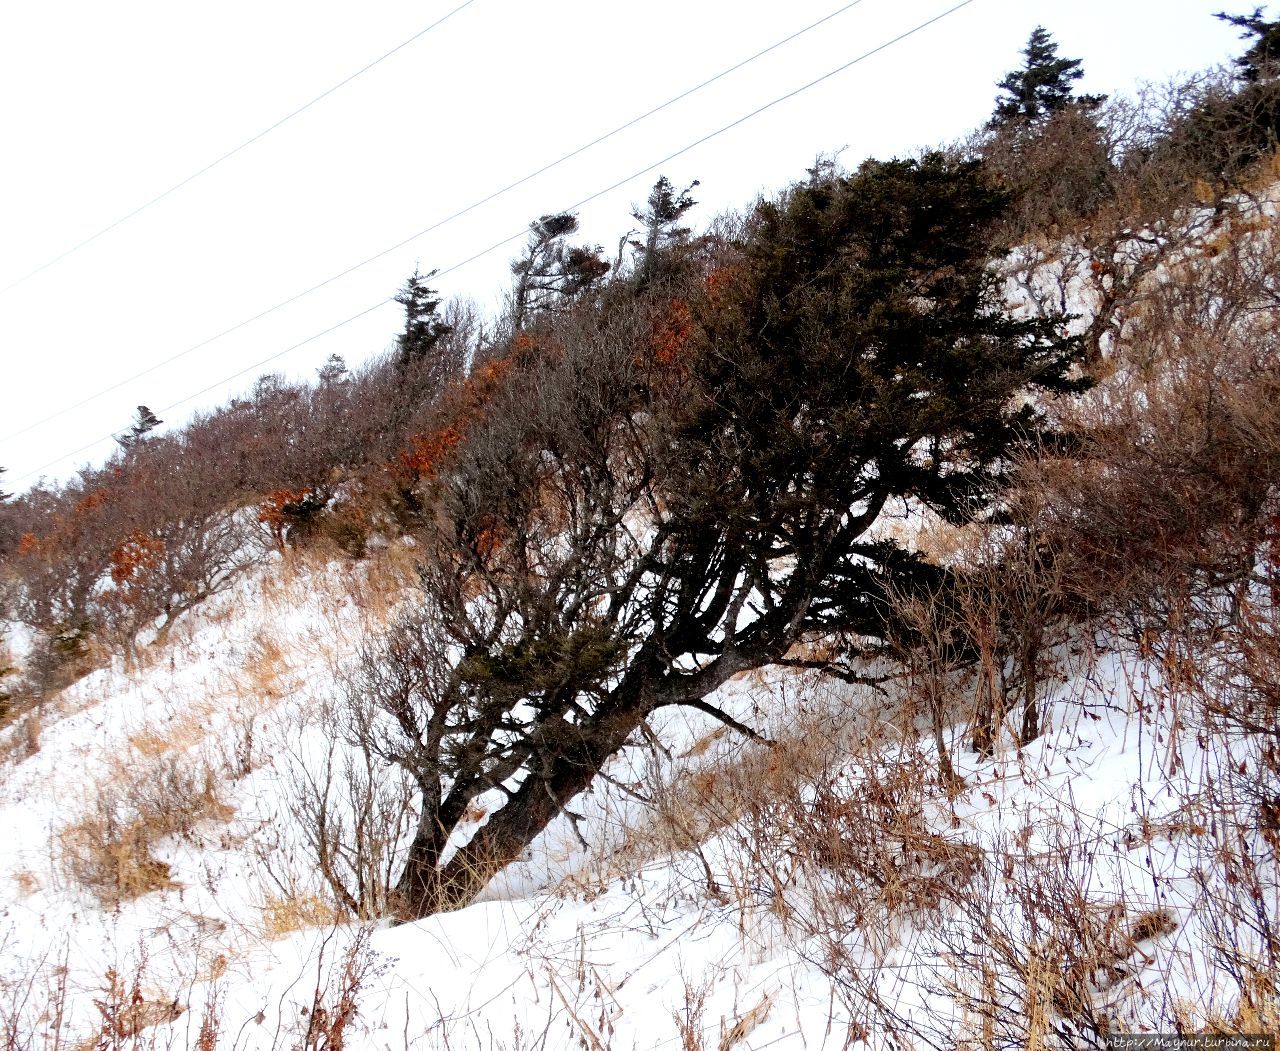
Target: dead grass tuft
20,740
267,669
111,850
282,916
184,732
26,882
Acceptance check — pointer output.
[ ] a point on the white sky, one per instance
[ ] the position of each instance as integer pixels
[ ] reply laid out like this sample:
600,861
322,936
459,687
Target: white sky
107,105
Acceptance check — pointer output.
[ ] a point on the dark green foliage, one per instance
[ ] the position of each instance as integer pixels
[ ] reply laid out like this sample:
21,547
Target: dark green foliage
1229,128
144,422
1043,86
1231,132
871,359
1262,60
1044,143
423,327
661,229
686,486
302,515
1226,125
334,370
551,272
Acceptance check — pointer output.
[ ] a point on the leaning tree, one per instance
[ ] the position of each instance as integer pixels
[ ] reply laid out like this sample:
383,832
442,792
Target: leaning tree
651,495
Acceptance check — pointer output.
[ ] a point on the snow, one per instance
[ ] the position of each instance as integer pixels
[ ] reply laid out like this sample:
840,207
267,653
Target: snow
616,947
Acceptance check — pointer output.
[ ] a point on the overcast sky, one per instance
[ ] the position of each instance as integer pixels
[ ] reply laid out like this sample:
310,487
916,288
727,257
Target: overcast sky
108,105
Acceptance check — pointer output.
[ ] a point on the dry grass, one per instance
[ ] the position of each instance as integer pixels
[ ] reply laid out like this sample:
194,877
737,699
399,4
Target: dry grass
112,858
111,850
377,586
691,806
267,670
1256,1009
20,739
26,882
282,916
817,829
182,732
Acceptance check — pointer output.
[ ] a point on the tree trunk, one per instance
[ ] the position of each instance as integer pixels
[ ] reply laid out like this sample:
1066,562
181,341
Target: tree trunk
425,889
951,783
569,765
419,881
1030,687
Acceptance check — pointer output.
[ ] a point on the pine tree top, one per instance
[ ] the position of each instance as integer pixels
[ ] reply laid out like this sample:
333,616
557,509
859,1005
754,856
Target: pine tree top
1262,60
144,422
423,328
1044,85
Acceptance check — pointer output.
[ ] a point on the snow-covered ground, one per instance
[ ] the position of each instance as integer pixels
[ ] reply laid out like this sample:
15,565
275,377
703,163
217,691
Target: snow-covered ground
718,906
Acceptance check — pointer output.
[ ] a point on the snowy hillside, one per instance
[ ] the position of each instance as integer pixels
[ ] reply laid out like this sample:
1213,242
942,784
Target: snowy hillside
730,896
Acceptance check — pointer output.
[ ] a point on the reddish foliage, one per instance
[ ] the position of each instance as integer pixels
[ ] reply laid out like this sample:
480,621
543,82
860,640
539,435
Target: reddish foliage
490,373
489,537
137,553
421,461
92,501
722,283
672,334
275,511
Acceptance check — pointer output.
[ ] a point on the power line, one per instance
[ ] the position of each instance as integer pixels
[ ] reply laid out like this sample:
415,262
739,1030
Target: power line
524,230
428,229
232,152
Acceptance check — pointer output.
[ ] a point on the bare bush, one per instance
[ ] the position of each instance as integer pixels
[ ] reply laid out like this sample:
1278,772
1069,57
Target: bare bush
33,1002
324,1022
355,821
1172,494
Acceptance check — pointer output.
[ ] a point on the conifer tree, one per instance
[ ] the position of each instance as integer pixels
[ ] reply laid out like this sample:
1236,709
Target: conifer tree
333,370
3,495
1262,60
550,271
1232,127
660,220
855,352
423,328
144,422
1042,87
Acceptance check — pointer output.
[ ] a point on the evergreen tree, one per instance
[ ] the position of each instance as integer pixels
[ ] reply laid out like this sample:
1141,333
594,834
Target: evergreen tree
1042,87
861,355
1262,60
660,220
144,422
423,328
1233,126
333,370
3,495
550,271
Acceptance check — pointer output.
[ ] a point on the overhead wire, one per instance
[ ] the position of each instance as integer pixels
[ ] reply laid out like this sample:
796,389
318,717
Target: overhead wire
232,152
438,224
524,231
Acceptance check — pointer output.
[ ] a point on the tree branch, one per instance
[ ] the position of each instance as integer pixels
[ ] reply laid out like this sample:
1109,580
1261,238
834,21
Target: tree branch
836,671
724,717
